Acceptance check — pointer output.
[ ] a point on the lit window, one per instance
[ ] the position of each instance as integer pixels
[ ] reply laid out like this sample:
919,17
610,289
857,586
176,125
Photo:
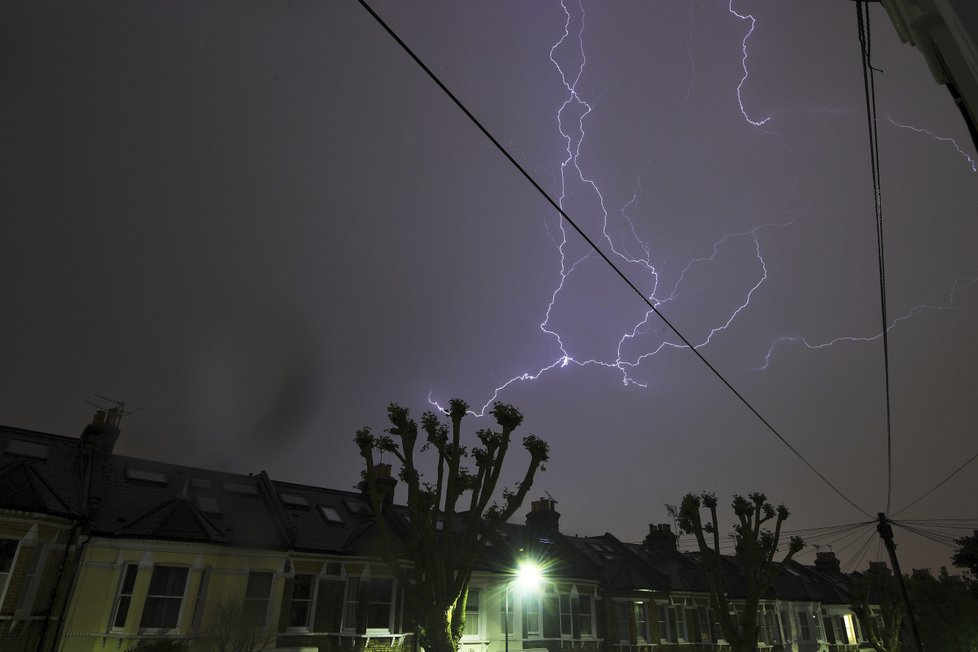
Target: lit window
8,553
330,514
28,449
124,597
300,607
164,598
257,595
145,475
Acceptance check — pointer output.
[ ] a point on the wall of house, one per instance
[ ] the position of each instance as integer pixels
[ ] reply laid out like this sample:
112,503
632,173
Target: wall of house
33,579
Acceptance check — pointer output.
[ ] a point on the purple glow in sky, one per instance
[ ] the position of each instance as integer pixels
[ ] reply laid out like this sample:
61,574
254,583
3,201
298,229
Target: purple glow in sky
262,222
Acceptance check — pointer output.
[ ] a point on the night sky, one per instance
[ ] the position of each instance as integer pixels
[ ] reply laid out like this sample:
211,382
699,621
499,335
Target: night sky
260,222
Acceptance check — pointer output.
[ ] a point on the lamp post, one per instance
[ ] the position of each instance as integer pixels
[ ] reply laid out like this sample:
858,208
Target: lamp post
527,578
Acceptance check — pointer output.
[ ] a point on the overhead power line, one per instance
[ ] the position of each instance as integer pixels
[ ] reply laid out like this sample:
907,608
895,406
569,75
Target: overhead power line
939,484
865,50
600,253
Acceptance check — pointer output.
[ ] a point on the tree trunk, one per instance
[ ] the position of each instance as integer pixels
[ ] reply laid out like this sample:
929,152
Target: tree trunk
436,630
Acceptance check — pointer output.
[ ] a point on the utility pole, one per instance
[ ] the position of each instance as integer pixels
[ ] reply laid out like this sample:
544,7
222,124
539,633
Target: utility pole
886,533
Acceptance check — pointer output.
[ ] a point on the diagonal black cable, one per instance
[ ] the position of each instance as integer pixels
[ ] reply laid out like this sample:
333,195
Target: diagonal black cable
865,45
939,484
591,243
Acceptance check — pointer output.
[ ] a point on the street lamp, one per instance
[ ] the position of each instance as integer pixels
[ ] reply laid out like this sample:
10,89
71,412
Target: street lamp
528,578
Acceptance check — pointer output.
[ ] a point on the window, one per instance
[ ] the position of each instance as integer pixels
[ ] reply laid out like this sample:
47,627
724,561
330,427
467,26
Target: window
350,606
241,488
380,603
506,611
662,613
532,616
330,515
850,627
257,594
201,599
300,606
621,622
682,634
472,614
803,626
27,449
208,504
703,618
641,622
566,630
8,554
817,620
164,598
293,500
145,475
585,606
124,596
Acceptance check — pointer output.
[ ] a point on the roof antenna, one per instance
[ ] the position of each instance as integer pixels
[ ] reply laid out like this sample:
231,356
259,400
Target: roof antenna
120,406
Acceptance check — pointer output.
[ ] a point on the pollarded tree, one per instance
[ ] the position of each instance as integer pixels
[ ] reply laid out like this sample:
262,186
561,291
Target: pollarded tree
756,546
434,550
877,587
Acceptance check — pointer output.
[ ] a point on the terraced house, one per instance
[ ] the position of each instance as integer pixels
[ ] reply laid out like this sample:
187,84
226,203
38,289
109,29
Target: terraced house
99,552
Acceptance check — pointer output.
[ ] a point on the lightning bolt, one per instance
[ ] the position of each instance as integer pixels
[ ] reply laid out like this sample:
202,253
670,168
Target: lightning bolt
943,139
630,250
929,305
743,63
569,58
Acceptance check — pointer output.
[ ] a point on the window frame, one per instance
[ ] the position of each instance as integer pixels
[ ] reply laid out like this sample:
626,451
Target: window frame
252,599
119,595
151,598
5,576
585,617
370,602
310,603
477,613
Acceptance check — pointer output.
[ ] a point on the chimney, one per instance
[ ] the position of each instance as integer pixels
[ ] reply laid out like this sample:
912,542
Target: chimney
384,482
879,566
543,517
100,435
660,538
95,451
827,561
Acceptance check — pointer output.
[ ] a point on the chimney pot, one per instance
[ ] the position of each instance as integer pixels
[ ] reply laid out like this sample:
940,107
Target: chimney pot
99,417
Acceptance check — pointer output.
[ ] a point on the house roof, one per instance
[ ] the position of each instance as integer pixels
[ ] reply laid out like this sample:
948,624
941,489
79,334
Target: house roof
145,499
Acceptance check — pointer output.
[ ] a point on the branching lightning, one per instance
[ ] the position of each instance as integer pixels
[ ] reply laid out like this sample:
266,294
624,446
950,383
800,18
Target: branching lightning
627,246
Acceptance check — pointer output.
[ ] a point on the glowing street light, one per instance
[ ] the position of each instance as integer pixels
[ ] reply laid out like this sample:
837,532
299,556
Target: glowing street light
528,579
